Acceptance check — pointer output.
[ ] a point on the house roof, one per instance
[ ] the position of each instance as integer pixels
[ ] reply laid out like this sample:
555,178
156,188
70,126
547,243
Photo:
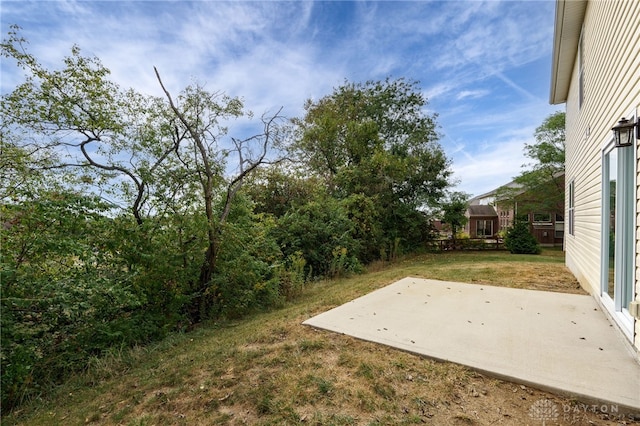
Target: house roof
478,198
492,194
566,37
514,186
480,210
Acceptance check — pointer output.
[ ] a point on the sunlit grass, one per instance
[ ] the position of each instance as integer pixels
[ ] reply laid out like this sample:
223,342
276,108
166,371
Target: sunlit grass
268,369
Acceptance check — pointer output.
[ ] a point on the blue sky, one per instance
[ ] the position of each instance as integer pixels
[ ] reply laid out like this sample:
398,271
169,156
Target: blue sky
483,65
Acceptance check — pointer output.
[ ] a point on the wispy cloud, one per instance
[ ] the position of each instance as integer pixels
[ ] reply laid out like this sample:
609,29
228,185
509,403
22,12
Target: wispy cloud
475,59
486,169
471,94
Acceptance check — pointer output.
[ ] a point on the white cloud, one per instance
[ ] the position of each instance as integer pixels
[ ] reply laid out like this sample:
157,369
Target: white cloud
468,56
487,169
471,94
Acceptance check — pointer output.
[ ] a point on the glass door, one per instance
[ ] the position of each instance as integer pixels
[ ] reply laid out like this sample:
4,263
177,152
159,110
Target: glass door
611,179
618,224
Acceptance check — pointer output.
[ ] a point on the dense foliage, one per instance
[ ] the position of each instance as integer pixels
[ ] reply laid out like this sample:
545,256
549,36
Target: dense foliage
126,216
374,147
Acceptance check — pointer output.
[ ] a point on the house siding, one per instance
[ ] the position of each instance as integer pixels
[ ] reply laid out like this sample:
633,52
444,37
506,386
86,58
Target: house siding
611,52
473,225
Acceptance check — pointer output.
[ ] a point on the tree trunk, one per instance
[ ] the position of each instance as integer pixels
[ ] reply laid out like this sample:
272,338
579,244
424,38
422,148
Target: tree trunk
205,296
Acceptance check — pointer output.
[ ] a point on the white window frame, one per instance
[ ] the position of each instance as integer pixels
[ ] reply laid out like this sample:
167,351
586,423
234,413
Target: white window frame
571,210
537,220
581,69
484,222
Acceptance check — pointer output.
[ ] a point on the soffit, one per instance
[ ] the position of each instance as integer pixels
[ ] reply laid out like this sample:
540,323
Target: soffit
568,25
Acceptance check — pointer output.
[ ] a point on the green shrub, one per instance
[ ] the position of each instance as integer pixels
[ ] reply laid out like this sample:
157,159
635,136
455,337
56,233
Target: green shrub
323,234
520,241
75,283
247,275
342,263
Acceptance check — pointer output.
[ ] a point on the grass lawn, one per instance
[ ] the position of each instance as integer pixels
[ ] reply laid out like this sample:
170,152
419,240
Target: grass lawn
268,369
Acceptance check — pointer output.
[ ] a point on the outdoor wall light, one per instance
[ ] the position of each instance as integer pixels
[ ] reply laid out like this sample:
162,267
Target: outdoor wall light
623,132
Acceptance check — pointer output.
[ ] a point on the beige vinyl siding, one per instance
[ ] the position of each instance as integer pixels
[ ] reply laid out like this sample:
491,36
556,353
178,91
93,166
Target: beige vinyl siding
611,90
635,98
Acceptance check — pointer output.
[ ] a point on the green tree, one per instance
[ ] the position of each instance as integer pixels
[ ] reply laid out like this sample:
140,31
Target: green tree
112,138
159,156
548,151
172,246
201,116
374,139
453,211
277,190
541,186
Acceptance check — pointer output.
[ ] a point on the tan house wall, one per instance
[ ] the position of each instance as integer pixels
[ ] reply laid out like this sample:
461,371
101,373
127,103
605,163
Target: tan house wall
611,52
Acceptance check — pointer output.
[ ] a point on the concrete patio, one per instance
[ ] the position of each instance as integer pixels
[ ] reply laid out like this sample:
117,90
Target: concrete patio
552,341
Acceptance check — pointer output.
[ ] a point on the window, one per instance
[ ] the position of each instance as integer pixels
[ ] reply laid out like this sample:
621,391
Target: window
559,226
484,228
572,203
581,69
559,230
541,217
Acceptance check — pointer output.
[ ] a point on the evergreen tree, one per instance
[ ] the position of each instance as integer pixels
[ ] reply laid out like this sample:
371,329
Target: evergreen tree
520,241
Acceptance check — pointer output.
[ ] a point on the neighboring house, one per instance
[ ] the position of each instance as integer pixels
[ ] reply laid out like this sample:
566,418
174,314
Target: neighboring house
546,224
487,199
596,73
546,227
483,221
543,209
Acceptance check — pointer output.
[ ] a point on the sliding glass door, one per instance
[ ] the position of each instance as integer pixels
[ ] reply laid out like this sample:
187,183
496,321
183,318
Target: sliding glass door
618,196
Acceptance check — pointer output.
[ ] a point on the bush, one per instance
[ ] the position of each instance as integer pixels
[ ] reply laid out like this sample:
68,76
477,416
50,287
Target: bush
247,275
322,233
74,283
343,264
520,241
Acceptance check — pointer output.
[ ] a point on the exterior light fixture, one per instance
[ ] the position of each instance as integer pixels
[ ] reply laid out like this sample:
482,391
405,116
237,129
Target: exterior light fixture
623,132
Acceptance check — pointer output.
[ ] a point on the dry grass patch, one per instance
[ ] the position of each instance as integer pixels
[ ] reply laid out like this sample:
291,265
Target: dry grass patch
270,370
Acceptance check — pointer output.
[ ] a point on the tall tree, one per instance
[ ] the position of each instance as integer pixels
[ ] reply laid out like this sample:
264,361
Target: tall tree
155,155
375,139
201,117
78,275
